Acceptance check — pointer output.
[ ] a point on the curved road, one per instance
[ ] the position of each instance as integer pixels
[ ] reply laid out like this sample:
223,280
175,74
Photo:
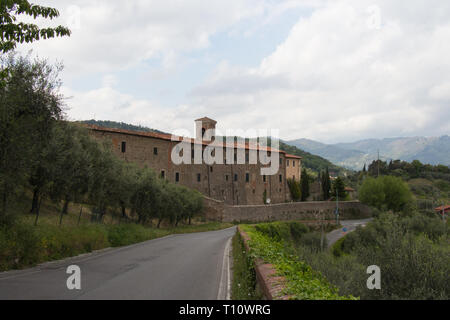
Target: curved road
349,226
178,267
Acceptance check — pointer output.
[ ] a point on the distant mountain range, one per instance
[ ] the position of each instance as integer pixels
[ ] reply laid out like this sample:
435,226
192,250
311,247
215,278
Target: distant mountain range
354,155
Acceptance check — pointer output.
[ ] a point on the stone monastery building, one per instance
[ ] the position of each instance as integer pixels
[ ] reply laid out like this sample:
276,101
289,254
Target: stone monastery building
235,183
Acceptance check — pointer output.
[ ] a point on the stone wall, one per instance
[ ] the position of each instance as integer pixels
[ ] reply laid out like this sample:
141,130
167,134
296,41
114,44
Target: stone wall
285,212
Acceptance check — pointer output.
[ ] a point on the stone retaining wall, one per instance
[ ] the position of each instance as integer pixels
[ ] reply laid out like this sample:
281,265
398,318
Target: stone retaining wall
218,211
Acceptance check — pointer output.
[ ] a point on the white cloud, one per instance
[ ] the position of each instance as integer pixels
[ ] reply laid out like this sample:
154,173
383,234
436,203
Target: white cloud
112,35
337,77
107,103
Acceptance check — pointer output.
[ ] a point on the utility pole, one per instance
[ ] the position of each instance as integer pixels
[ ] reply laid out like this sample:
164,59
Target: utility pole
321,232
378,163
337,207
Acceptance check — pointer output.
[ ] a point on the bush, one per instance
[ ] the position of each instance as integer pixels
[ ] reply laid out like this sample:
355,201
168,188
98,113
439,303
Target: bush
385,192
286,231
412,252
313,241
126,234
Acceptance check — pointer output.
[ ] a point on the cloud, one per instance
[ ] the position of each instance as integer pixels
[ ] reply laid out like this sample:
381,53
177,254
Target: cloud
113,35
351,70
108,103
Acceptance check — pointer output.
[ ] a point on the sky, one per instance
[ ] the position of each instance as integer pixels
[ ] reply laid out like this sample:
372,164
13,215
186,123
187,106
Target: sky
328,70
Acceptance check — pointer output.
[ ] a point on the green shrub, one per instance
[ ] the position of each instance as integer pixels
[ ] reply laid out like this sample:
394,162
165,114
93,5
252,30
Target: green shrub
313,241
126,234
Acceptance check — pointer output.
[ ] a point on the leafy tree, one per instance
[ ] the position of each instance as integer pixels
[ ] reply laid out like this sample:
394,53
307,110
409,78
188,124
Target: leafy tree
305,184
294,188
372,192
13,32
386,192
326,184
30,106
397,193
339,188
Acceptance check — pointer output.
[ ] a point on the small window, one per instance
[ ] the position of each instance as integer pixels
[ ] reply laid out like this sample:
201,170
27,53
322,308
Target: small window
199,177
155,151
124,147
247,177
227,177
281,178
177,177
211,169
235,177
264,178
287,163
192,153
163,174
293,163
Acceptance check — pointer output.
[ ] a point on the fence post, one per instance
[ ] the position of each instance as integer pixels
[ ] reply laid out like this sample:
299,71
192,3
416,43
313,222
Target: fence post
79,216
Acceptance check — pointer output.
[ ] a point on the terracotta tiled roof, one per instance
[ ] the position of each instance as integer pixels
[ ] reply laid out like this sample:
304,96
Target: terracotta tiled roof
206,119
443,208
169,137
291,156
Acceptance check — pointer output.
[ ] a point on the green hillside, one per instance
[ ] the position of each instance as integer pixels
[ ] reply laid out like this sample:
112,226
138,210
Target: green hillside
313,162
119,125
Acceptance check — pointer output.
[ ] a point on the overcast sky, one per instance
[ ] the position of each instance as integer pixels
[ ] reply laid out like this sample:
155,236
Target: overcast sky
333,71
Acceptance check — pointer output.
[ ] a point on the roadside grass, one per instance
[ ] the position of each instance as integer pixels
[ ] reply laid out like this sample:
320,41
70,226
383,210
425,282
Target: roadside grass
244,285
23,245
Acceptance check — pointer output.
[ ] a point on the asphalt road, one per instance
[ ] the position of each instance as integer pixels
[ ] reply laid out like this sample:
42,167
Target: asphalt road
178,267
349,226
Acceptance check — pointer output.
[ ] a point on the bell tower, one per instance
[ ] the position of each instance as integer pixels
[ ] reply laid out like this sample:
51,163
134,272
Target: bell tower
205,129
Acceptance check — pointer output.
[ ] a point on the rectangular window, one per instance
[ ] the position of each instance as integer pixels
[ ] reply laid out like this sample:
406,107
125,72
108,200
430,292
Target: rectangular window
177,177
163,174
235,177
293,163
281,178
264,178
211,169
199,177
124,147
155,151
247,177
287,163
226,178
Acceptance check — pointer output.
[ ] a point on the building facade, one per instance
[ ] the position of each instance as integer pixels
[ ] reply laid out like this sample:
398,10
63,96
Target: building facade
234,182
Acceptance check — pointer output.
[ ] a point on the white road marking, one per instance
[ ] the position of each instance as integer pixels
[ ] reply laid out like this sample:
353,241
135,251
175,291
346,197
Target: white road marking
225,285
